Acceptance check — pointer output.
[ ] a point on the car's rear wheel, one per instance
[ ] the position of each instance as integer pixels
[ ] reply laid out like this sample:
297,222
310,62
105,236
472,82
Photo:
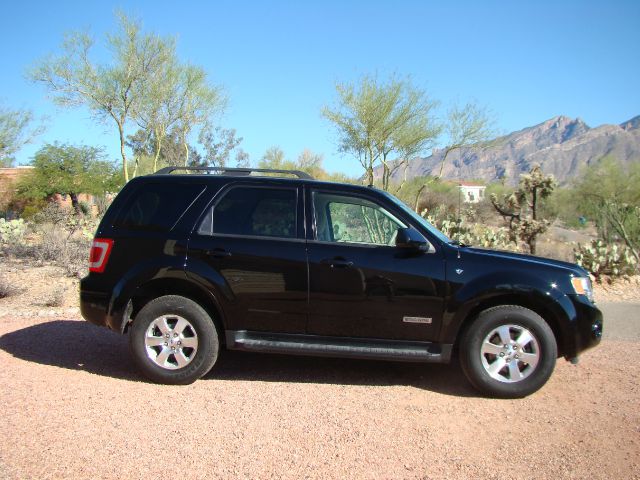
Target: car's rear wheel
173,340
508,351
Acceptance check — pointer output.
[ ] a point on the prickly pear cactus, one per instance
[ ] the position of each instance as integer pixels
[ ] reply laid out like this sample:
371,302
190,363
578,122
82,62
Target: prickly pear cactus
602,258
12,231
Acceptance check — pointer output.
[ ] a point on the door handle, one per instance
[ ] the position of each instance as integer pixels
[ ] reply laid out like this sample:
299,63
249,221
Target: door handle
218,253
337,262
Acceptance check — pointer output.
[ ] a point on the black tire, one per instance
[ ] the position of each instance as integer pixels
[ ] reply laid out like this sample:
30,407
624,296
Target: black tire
511,371
188,329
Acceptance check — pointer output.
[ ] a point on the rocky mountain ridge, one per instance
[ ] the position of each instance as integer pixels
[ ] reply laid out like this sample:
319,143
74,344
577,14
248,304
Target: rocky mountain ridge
561,145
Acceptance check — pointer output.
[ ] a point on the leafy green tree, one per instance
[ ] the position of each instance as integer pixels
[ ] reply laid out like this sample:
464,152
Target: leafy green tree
111,91
177,102
159,110
522,208
468,126
307,161
219,145
69,170
610,194
199,102
16,130
142,82
380,121
274,158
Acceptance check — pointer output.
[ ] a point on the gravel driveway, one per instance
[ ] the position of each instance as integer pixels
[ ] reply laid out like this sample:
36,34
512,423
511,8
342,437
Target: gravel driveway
75,408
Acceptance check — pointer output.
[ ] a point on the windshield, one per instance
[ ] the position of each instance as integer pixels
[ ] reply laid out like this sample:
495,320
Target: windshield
417,218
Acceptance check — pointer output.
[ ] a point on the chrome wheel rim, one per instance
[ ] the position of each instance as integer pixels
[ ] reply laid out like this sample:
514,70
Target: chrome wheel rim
510,353
171,342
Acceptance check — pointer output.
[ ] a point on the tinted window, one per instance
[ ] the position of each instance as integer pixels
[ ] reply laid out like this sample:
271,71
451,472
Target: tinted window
157,206
253,211
340,218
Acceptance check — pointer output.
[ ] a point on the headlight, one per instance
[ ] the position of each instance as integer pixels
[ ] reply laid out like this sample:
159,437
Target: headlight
582,286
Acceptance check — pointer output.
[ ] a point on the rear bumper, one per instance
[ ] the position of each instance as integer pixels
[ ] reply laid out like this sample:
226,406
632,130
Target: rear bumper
96,308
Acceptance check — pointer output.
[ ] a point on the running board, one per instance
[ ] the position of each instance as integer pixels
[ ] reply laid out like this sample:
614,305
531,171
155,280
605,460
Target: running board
319,346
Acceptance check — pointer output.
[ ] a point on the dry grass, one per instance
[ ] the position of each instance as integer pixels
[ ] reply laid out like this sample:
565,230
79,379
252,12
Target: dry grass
7,289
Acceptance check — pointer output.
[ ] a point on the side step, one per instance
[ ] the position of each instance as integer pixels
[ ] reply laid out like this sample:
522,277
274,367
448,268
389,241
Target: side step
319,346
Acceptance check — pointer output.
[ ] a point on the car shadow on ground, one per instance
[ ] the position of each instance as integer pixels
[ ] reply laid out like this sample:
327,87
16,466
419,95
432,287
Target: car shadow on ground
77,345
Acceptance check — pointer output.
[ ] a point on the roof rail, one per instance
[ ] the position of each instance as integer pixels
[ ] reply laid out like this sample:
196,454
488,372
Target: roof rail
239,172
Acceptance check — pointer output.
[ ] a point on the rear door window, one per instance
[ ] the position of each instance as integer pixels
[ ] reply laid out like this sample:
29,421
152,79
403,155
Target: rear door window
253,211
157,206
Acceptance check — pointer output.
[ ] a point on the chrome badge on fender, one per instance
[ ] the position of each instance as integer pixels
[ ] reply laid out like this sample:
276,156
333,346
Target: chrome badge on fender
416,319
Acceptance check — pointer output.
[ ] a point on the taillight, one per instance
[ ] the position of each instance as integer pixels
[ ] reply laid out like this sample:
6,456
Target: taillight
99,254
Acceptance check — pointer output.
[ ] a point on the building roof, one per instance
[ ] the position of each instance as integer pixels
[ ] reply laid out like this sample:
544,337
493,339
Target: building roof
471,184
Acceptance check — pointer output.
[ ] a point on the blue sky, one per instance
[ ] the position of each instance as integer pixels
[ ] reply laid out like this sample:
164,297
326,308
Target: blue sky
279,61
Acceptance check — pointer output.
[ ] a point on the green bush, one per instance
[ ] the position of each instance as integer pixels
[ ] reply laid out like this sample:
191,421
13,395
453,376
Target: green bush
600,259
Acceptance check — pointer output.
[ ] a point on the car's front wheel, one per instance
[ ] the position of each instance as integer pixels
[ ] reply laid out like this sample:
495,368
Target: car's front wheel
508,351
173,340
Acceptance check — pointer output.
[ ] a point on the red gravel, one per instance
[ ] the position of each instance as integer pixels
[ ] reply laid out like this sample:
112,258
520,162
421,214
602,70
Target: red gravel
73,407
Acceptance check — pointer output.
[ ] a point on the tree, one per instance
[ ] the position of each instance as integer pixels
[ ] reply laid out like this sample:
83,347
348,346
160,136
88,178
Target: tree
160,107
521,209
69,170
611,195
143,82
111,91
15,132
468,126
274,158
311,162
377,120
199,102
143,146
307,161
219,144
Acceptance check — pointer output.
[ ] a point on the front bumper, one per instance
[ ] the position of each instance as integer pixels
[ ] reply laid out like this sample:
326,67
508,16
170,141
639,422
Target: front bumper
588,326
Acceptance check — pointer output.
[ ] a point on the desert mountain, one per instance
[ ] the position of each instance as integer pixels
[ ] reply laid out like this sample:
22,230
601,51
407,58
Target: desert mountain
561,145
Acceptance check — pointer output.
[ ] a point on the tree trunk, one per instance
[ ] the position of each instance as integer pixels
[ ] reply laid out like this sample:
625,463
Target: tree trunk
420,190
158,148
122,152
75,203
385,177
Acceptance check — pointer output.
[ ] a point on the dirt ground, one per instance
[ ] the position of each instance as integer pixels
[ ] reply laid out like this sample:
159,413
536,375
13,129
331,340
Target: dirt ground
74,407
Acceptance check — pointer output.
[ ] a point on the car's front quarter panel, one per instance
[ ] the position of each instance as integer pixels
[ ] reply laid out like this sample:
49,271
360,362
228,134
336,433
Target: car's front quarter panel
477,280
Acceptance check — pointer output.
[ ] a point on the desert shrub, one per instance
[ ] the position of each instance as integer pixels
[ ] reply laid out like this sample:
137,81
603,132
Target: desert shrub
7,289
30,208
57,236
55,298
604,259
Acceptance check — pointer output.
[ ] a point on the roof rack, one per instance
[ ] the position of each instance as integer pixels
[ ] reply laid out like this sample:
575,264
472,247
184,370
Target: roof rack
238,172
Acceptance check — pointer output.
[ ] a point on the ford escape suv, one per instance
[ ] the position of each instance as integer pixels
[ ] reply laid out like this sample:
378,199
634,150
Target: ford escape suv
192,263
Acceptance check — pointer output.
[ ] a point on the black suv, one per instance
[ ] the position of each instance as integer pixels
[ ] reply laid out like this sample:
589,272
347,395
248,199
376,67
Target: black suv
242,259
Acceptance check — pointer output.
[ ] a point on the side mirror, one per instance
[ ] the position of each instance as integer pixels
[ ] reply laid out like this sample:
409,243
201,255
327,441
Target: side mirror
411,239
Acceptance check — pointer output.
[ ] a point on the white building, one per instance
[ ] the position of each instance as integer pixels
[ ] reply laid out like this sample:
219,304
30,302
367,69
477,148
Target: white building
472,192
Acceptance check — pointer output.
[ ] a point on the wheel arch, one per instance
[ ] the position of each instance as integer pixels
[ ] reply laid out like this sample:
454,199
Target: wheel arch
172,286
550,313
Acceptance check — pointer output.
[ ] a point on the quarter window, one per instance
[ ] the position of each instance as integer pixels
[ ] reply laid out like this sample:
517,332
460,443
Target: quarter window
157,206
253,211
